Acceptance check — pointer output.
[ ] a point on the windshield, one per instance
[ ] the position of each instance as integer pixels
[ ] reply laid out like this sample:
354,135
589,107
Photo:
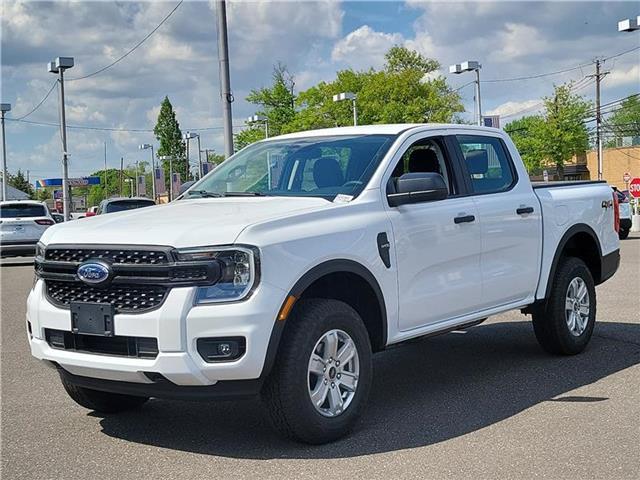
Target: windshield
312,166
14,210
122,205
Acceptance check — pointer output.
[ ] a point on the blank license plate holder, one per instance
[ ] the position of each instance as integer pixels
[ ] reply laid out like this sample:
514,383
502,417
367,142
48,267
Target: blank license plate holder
92,318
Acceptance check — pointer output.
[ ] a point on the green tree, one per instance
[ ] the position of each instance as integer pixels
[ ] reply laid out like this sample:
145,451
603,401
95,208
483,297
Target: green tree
401,92
19,181
524,132
276,103
169,135
213,157
625,120
563,132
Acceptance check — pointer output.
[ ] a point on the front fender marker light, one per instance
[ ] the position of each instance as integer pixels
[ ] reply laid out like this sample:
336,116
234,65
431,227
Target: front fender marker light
286,308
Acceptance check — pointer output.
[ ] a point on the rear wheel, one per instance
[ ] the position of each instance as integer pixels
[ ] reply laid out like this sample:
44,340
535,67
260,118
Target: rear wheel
103,402
565,323
320,383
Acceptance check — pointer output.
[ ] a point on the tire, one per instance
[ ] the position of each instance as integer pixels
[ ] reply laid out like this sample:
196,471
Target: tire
552,322
287,391
102,402
623,234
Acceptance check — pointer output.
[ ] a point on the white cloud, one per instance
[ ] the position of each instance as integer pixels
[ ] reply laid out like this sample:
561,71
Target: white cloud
519,40
509,109
364,47
623,76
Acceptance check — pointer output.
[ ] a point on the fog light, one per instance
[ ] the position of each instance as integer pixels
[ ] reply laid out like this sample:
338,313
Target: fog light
221,349
55,338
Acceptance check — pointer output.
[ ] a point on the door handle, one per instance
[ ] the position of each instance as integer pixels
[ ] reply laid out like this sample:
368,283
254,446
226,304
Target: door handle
464,219
524,210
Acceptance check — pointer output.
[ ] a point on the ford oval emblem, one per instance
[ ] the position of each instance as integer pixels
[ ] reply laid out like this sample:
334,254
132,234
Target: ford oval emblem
93,272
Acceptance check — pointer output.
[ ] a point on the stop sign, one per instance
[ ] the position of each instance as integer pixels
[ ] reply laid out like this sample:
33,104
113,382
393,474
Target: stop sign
634,187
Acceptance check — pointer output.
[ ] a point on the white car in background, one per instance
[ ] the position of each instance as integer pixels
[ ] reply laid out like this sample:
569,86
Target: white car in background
22,223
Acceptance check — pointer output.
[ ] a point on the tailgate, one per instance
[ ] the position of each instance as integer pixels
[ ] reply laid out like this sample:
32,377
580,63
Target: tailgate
16,229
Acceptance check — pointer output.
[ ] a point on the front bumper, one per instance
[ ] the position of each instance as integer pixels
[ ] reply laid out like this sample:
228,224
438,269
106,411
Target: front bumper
176,325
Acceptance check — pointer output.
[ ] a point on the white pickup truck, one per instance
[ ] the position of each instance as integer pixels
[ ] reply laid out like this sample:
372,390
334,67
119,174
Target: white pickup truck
284,269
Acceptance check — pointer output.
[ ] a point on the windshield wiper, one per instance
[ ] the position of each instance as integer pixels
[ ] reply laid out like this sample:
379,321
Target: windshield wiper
244,194
205,193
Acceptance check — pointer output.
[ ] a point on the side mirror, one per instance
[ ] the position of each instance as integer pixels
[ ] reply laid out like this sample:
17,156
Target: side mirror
185,186
417,188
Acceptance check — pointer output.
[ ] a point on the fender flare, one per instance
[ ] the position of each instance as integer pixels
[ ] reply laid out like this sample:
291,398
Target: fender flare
570,233
306,280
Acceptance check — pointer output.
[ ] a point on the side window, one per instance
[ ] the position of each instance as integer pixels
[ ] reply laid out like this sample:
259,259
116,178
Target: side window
426,155
487,162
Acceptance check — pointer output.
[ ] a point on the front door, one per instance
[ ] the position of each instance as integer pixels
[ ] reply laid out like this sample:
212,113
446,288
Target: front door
437,244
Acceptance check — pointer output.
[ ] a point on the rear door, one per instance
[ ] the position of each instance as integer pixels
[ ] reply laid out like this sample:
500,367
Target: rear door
438,257
509,216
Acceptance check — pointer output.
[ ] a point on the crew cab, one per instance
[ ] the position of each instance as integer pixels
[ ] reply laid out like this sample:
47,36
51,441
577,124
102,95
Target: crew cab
22,223
281,272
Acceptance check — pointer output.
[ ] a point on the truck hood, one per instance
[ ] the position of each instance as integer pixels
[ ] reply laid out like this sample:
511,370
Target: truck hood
185,223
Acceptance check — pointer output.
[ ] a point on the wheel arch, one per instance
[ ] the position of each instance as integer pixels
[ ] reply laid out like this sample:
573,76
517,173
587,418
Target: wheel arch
582,242
327,280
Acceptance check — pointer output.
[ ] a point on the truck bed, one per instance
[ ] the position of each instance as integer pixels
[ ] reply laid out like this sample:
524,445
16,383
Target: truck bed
565,183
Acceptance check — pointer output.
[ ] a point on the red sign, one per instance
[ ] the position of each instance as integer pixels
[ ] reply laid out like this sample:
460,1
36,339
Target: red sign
634,187
626,177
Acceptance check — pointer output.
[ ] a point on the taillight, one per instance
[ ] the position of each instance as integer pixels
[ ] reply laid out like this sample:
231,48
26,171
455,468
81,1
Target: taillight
616,213
44,221
90,214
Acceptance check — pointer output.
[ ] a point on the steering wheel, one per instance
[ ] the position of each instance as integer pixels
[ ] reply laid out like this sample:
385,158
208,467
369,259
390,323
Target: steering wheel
352,183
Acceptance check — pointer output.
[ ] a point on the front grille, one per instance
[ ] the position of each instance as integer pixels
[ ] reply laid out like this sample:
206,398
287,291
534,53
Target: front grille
139,347
113,255
125,298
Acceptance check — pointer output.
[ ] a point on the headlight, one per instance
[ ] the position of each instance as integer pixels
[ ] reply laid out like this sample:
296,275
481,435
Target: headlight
240,272
40,249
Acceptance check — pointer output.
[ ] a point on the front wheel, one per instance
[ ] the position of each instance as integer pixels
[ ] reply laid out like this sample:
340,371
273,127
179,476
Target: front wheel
322,376
565,323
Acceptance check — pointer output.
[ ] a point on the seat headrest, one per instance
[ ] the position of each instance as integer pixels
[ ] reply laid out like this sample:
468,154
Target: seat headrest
423,160
477,161
327,173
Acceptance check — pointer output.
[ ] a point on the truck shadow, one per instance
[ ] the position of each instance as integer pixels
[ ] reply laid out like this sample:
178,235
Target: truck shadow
424,392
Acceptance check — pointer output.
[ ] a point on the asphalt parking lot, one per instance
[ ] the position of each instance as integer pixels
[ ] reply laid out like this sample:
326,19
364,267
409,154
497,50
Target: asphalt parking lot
483,404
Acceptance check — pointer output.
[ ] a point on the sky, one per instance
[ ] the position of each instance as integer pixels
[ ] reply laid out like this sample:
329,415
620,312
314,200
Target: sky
313,39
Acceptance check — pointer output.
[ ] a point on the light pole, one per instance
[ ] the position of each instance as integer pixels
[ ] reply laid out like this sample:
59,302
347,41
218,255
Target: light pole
4,108
471,66
260,119
129,181
59,65
170,158
629,24
188,136
145,146
348,96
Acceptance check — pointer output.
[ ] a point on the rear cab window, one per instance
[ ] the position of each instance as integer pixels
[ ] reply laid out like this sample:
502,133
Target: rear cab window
122,205
21,210
487,162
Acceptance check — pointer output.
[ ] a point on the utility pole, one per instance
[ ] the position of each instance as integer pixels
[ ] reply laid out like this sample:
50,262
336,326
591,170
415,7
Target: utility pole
199,159
121,172
599,75
59,65
225,82
4,108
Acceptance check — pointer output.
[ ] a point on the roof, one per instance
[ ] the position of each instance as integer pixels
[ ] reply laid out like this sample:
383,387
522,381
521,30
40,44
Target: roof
28,202
14,193
117,199
384,129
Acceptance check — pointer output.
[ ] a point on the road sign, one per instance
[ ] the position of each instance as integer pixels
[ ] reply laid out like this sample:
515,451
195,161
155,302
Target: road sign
634,187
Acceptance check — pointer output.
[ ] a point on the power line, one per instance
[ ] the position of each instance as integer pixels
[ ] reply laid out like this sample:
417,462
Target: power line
557,72
111,129
39,103
131,50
